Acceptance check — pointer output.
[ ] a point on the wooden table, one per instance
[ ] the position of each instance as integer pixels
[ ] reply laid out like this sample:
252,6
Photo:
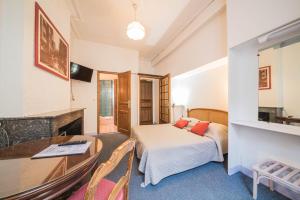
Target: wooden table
24,178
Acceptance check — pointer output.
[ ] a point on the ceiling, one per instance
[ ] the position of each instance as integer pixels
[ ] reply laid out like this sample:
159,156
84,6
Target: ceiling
105,21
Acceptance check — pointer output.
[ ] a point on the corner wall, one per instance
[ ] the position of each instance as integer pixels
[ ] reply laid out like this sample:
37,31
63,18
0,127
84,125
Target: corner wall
26,89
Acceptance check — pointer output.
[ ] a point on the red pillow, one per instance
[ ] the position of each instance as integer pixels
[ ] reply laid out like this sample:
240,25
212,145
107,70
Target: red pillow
200,128
181,123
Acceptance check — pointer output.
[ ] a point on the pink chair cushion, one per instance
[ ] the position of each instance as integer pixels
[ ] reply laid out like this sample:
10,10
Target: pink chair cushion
102,193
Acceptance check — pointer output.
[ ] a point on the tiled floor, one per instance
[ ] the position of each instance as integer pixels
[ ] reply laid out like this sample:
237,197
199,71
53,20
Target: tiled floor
107,125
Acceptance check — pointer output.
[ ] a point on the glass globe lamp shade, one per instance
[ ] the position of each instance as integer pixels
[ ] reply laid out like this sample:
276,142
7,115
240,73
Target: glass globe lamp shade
135,30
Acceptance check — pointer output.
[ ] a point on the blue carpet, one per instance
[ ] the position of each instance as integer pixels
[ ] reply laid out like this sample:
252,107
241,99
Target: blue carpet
207,182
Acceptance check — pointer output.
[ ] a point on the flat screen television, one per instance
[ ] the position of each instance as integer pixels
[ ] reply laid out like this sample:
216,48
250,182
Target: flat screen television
80,72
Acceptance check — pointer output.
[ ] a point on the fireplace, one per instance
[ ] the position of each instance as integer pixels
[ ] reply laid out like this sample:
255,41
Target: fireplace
73,128
22,129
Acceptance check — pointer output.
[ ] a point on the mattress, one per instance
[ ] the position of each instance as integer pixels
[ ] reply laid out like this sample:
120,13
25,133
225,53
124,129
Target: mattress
165,150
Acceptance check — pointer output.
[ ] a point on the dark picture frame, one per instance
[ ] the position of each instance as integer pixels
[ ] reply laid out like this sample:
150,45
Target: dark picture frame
51,49
264,77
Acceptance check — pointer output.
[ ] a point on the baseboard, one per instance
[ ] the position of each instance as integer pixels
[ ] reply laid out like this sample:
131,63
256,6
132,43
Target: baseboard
234,170
279,188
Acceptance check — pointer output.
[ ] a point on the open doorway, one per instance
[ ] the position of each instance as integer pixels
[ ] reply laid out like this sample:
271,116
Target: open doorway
113,102
154,99
107,102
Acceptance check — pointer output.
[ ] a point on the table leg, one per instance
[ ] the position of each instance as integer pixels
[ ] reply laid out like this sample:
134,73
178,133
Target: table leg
255,183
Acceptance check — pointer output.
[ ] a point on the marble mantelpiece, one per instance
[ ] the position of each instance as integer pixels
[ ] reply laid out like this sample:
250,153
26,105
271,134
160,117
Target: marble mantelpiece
22,129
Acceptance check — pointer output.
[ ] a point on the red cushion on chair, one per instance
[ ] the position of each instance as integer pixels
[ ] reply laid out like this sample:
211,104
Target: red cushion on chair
200,128
102,193
181,123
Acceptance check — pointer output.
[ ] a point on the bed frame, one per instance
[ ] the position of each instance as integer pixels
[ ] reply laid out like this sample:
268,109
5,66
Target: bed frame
206,114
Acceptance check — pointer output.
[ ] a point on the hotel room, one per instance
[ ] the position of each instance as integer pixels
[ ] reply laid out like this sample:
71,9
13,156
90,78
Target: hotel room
148,99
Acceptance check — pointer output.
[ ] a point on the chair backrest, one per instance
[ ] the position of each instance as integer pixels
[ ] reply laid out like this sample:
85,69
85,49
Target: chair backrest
4,140
105,168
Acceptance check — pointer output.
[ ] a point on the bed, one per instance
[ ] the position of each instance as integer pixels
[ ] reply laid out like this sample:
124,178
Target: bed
165,150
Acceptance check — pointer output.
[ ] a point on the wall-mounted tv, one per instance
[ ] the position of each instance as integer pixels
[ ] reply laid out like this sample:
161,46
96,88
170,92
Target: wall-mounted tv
80,72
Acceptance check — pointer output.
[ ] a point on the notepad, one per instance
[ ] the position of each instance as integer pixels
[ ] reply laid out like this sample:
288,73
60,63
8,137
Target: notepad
54,150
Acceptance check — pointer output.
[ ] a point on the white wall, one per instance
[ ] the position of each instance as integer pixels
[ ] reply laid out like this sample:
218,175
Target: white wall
11,70
207,89
104,58
145,66
44,92
207,44
250,18
26,89
250,145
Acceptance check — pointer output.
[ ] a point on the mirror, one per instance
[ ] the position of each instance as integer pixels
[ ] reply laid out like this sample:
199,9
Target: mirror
279,83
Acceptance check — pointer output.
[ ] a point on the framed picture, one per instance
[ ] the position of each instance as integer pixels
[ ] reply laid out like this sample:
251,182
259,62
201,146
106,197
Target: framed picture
51,49
264,78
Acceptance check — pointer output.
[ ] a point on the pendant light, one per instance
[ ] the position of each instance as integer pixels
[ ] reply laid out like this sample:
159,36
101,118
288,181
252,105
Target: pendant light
135,29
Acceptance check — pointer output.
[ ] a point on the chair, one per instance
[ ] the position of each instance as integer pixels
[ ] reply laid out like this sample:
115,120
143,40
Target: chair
100,188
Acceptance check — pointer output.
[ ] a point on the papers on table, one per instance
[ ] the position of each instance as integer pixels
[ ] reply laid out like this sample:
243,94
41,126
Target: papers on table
54,150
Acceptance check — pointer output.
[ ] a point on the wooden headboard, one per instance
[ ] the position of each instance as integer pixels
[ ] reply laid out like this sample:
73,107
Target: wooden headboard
212,115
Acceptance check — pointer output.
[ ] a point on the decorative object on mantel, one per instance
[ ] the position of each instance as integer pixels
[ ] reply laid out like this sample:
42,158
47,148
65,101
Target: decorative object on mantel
4,140
264,78
135,29
278,172
51,49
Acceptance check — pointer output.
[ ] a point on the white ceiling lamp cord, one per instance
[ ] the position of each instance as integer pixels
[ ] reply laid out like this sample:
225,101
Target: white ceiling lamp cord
134,5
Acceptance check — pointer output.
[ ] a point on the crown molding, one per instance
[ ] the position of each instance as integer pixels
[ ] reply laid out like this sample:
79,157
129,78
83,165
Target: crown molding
74,29
213,7
74,9
75,16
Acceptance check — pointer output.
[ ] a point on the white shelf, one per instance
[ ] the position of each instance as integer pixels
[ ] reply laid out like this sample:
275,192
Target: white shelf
280,128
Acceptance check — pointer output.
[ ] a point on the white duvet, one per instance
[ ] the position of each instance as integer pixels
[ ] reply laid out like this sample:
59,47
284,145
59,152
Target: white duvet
165,150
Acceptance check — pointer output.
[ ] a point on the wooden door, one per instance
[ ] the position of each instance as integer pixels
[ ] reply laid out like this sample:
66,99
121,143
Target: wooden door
124,112
115,101
146,102
164,100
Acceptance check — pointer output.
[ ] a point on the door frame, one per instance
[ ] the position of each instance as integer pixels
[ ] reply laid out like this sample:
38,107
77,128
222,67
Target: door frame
153,76
98,96
140,100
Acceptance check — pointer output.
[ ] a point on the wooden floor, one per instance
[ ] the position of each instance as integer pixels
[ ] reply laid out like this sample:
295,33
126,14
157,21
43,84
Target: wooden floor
107,125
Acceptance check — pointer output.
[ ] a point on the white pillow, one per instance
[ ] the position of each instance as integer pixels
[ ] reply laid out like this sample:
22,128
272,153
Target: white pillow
192,121
220,133
218,128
